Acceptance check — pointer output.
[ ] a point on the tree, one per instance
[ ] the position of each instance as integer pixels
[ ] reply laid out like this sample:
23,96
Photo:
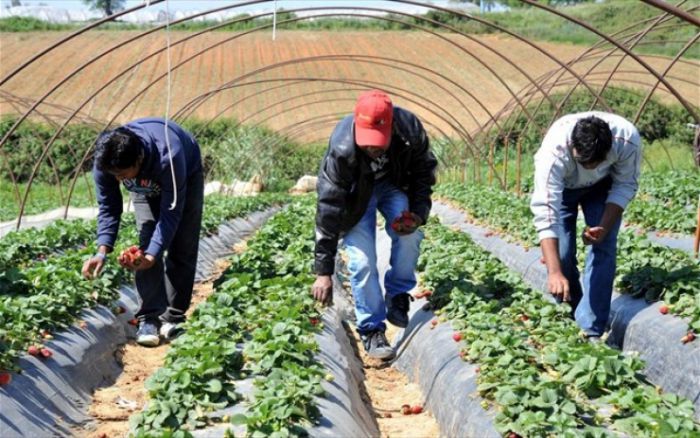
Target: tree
108,6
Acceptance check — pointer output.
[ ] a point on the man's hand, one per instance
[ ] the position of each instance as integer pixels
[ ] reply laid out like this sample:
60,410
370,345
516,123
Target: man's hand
146,263
322,289
558,286
93,266
593,235
406,224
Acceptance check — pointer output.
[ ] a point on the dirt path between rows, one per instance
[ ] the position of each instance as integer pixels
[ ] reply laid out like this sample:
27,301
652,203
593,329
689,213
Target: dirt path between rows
113,405
388,389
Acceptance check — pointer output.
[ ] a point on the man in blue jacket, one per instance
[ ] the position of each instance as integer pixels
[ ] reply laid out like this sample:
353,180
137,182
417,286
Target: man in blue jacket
166,185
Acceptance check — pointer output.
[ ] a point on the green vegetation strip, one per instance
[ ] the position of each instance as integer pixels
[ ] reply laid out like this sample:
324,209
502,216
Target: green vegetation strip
261,302
41,286
644,269
667,201
542,376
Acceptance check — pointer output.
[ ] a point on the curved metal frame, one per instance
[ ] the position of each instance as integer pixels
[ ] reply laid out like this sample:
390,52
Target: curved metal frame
541,87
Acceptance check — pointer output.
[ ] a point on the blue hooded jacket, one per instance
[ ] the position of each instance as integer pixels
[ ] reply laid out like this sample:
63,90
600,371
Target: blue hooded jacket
154,180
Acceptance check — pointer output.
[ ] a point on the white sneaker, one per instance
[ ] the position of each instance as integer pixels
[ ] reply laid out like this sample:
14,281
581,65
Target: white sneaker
170,330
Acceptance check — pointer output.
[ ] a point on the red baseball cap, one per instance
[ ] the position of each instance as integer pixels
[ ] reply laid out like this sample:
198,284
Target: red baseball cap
373,117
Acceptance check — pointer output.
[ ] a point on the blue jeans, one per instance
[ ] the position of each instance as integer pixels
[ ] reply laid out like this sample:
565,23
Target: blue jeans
361,247
591,303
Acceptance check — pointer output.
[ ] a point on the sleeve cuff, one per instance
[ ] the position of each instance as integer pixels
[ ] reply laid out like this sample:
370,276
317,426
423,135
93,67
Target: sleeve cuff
106,241
154,250
321,268
547,234
618,199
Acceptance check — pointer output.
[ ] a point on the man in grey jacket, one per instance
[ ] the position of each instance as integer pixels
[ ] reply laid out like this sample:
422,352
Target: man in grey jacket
591,160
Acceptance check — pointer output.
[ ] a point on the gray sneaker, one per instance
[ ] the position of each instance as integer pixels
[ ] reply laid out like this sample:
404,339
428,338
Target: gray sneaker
376,345
147,334
171,330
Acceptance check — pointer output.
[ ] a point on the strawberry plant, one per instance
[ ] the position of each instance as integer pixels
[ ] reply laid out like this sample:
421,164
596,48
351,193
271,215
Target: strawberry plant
262,308
41,288
543,376
644,269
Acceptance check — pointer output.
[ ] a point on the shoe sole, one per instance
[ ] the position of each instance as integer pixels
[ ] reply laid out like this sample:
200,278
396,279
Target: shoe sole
383,356
148,341
398,324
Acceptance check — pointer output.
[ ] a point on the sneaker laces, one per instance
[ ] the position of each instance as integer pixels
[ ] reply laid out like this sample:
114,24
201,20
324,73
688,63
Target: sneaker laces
380,339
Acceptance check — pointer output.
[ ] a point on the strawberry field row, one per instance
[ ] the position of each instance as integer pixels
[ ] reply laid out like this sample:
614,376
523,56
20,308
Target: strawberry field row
260,322
644,269
44,294
542,376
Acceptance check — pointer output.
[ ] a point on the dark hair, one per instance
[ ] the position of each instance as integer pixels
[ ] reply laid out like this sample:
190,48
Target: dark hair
117,150
592,140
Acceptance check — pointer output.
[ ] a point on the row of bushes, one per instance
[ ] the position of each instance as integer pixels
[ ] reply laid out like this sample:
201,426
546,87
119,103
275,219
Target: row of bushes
230,151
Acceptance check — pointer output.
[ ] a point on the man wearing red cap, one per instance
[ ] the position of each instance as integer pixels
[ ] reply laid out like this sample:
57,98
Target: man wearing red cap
377,159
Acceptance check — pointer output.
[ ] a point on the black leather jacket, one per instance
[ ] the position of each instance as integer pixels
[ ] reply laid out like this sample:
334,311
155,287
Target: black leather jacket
346,181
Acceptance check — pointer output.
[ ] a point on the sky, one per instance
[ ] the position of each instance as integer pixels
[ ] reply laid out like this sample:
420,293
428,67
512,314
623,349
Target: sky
188,5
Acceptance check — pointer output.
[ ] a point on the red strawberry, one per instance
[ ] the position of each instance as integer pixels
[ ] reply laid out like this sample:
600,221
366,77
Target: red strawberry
457,336
477,370
690,337
46,353
33,350
406,409
461,354
434,322
524,318
663,309
417,409
5,378
313,321
134,321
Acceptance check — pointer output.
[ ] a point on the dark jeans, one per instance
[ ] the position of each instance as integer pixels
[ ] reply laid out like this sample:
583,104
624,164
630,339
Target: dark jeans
592,302
166,288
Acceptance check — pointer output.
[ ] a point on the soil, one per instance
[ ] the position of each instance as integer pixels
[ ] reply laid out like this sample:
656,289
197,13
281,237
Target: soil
113,405
388,389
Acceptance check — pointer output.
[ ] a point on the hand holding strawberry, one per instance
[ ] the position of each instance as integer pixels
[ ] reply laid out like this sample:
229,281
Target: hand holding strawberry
593,235
134,259
406,224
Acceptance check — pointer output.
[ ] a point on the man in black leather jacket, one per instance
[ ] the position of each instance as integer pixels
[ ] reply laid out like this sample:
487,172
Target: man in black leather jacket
379,158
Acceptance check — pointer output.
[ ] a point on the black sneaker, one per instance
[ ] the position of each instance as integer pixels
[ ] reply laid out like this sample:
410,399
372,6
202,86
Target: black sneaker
376,345
397,310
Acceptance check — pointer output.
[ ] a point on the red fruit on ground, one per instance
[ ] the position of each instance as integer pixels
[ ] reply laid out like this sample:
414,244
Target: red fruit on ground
457,336
461,354
524,318
417,409
690,337
313,321
134,321
434,322
663,309
406,409
5,378
477,370
33,350
46,353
